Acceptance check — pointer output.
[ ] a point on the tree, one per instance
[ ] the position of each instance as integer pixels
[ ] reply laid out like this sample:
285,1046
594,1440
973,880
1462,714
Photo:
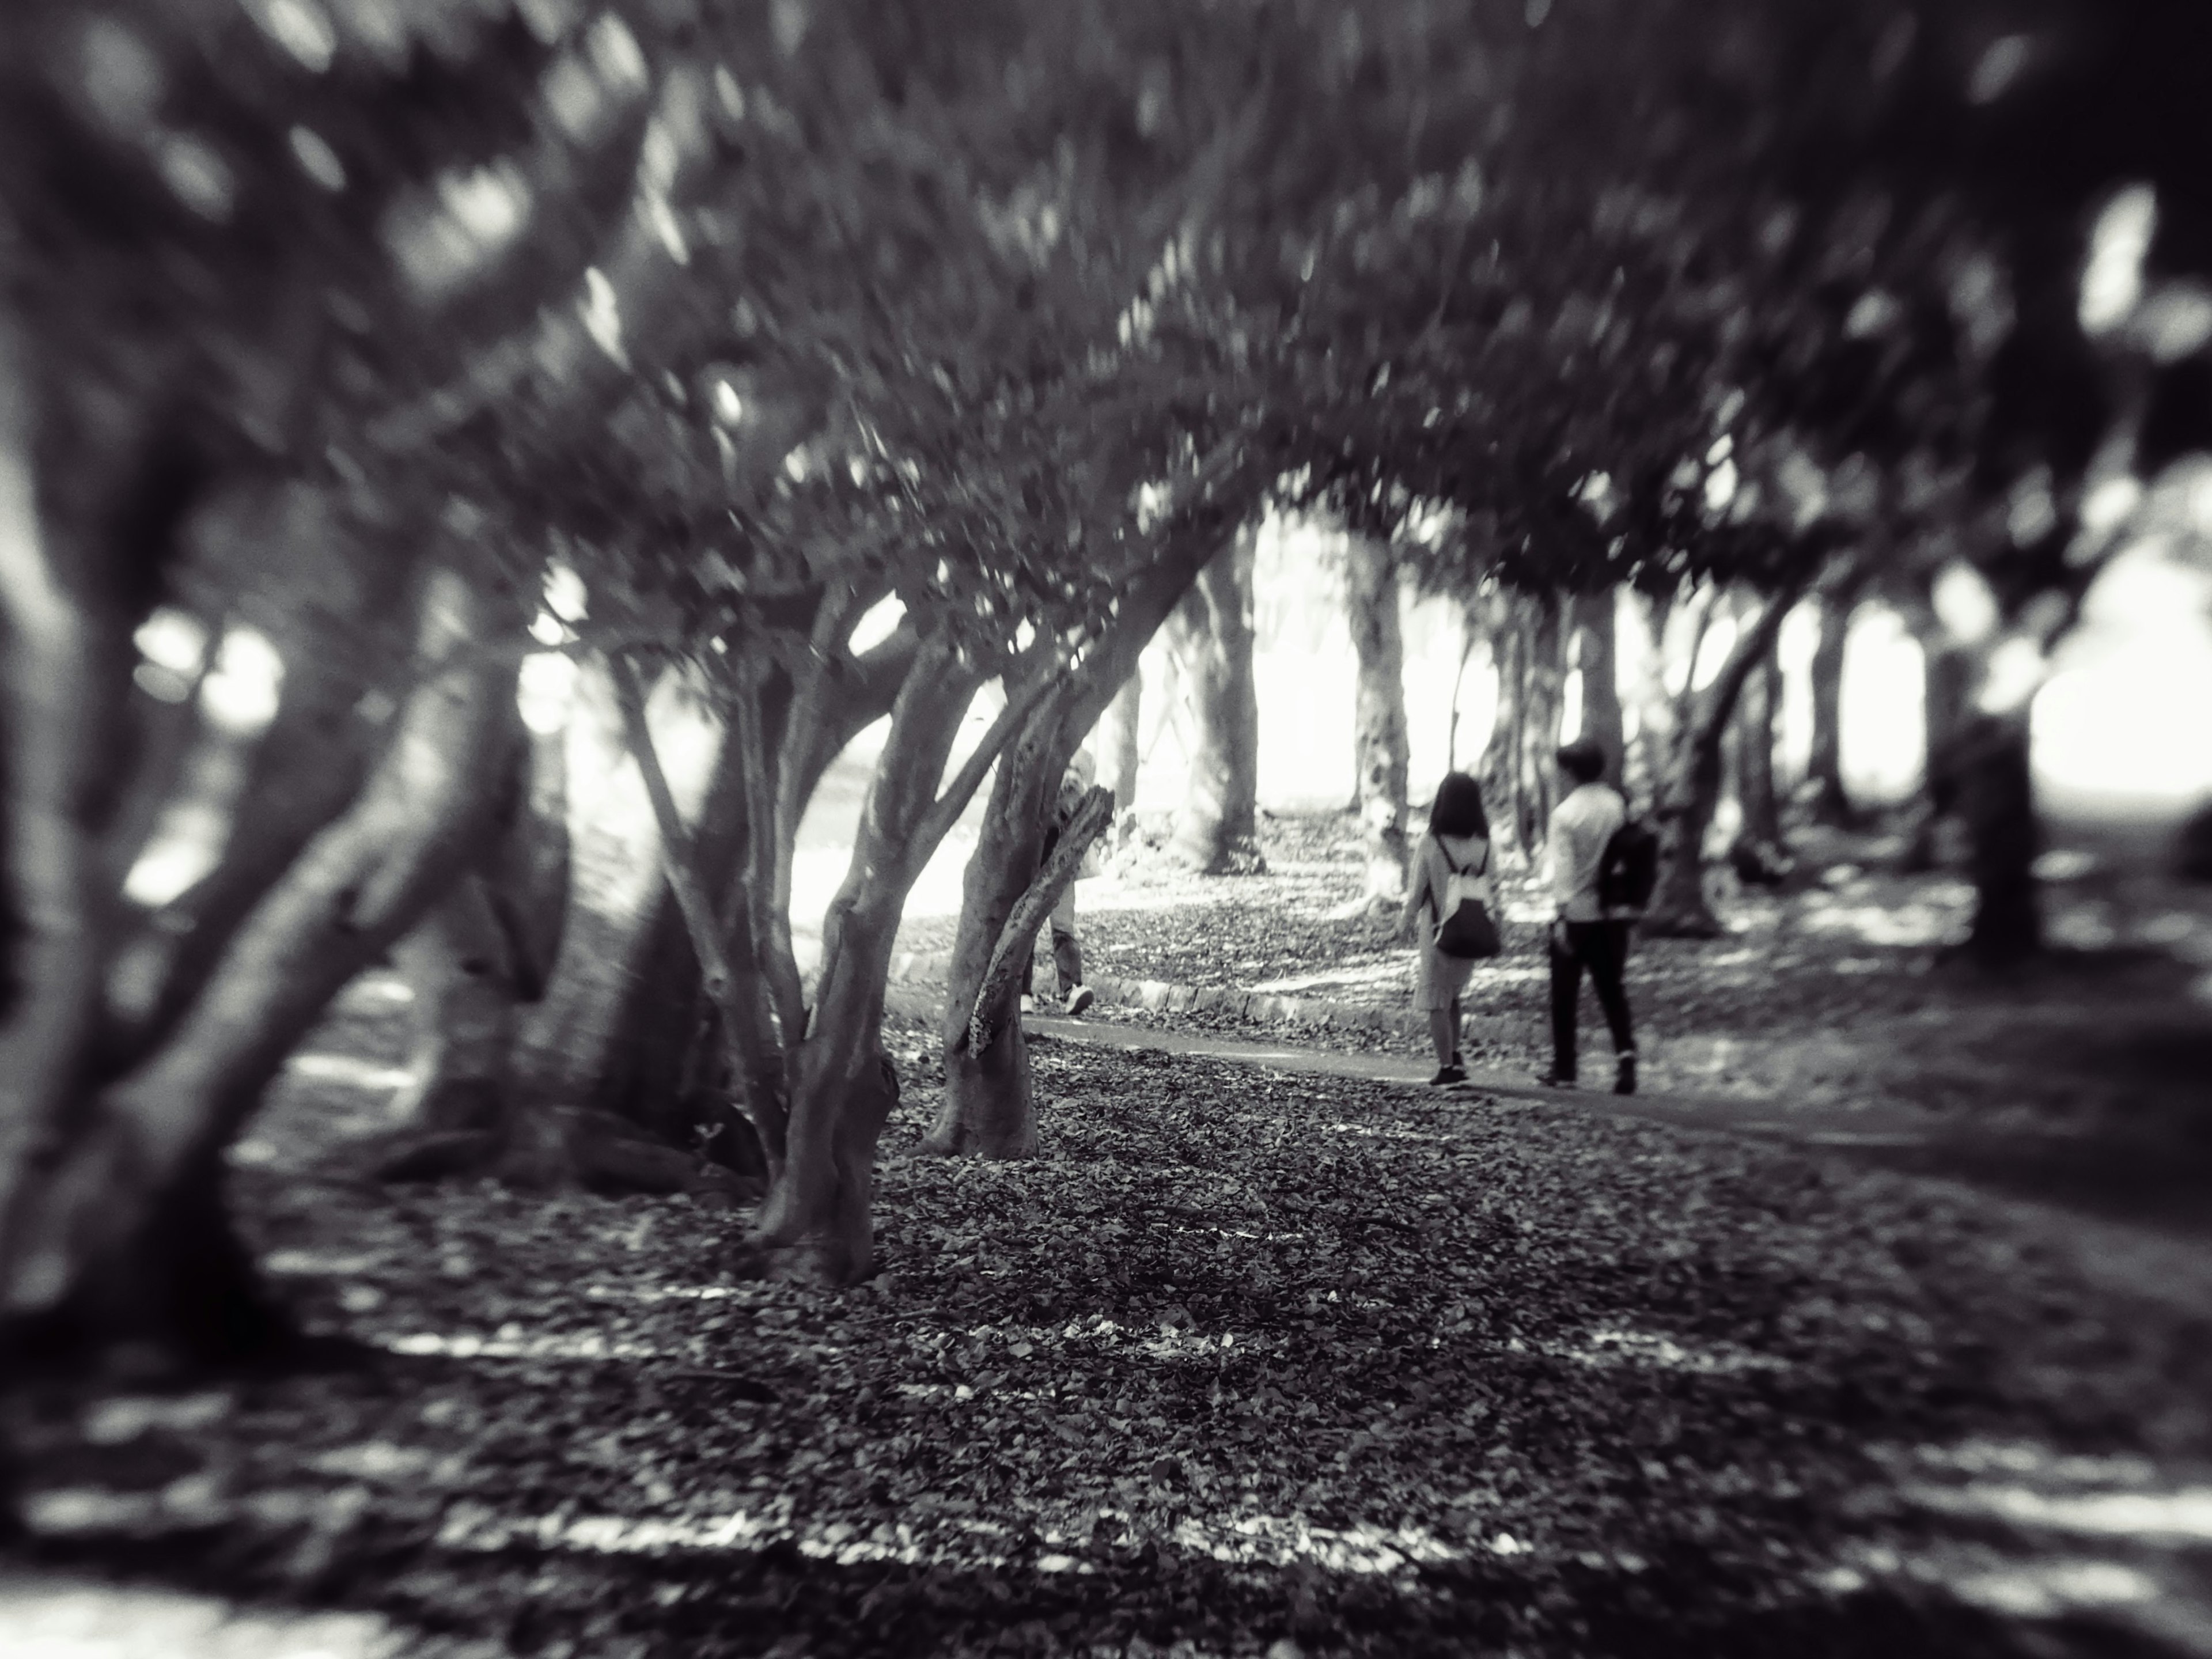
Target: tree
1217,827
1379,716
1829,802
137,399
1591,618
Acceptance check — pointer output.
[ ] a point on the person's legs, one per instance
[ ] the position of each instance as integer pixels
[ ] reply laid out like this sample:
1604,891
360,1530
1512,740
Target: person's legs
1067,958
1566,991
1443,1033
1067,954
1604,946
1437,981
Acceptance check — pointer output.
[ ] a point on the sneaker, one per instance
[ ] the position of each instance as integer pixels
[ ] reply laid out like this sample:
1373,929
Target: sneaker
1447,1076
1079,999
1553,1078
1624,1073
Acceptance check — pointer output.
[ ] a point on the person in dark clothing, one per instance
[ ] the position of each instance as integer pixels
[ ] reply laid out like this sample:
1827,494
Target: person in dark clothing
1583,933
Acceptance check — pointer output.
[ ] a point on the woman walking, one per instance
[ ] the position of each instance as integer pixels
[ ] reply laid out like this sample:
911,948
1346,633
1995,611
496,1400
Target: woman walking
1450,865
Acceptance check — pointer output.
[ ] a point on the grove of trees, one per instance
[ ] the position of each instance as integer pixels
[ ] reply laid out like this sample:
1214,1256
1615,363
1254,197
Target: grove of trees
370,326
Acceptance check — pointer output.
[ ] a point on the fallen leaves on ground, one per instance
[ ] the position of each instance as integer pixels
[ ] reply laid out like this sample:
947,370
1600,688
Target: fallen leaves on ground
1243,1359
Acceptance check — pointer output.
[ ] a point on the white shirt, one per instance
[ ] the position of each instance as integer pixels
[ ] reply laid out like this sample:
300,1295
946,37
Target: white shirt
1581,826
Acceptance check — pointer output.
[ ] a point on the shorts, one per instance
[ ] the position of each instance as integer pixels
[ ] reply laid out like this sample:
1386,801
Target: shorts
1439,980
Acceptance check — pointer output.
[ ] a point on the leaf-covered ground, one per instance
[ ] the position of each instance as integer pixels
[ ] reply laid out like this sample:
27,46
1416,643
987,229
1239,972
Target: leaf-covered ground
1830,993
1244,1360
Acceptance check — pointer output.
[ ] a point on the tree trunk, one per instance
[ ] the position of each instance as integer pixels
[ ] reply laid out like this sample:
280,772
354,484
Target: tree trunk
102,1247
53,710
1983,774
1592,618
1379,729
815,1225
1755,737
1949,670
988,1106
306,767
1119,744
1217,830
1644,778
1829,802
1543,682
486,950
1679,908
1501,759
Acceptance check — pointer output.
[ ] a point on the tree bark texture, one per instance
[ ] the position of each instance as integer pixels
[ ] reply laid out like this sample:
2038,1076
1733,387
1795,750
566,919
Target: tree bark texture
1679,906
1591,617
1829,801
1217,831
98,1244
1543,684
1379,714
816,1224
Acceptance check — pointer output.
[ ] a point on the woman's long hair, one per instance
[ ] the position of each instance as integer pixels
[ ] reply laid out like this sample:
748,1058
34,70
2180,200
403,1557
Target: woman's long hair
1457,809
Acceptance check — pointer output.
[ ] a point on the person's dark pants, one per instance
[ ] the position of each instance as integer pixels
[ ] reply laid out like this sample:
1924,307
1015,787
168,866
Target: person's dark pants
1602,947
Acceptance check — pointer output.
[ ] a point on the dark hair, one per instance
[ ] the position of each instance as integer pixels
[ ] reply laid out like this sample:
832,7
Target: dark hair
1457,809
1582,760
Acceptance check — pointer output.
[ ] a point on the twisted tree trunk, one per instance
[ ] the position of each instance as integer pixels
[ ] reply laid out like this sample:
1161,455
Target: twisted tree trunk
1379,716
123,1236
989,1107
816,1224
1679,906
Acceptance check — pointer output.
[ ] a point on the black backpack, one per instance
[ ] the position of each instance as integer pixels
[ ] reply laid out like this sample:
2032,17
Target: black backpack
1628,870
1467,930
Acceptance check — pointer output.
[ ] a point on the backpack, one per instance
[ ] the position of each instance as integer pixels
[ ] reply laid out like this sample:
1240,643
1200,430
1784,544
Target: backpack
1467,929
1628,869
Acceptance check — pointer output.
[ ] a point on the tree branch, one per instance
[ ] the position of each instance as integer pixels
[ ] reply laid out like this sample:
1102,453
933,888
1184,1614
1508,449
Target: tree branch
949,806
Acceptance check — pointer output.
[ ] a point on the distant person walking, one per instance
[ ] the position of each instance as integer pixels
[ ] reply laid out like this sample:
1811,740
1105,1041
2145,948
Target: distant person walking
1451,874
1584,933
1066,949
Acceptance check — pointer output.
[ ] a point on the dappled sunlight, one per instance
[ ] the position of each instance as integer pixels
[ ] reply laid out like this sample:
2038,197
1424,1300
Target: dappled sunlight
50,1615
1937,915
